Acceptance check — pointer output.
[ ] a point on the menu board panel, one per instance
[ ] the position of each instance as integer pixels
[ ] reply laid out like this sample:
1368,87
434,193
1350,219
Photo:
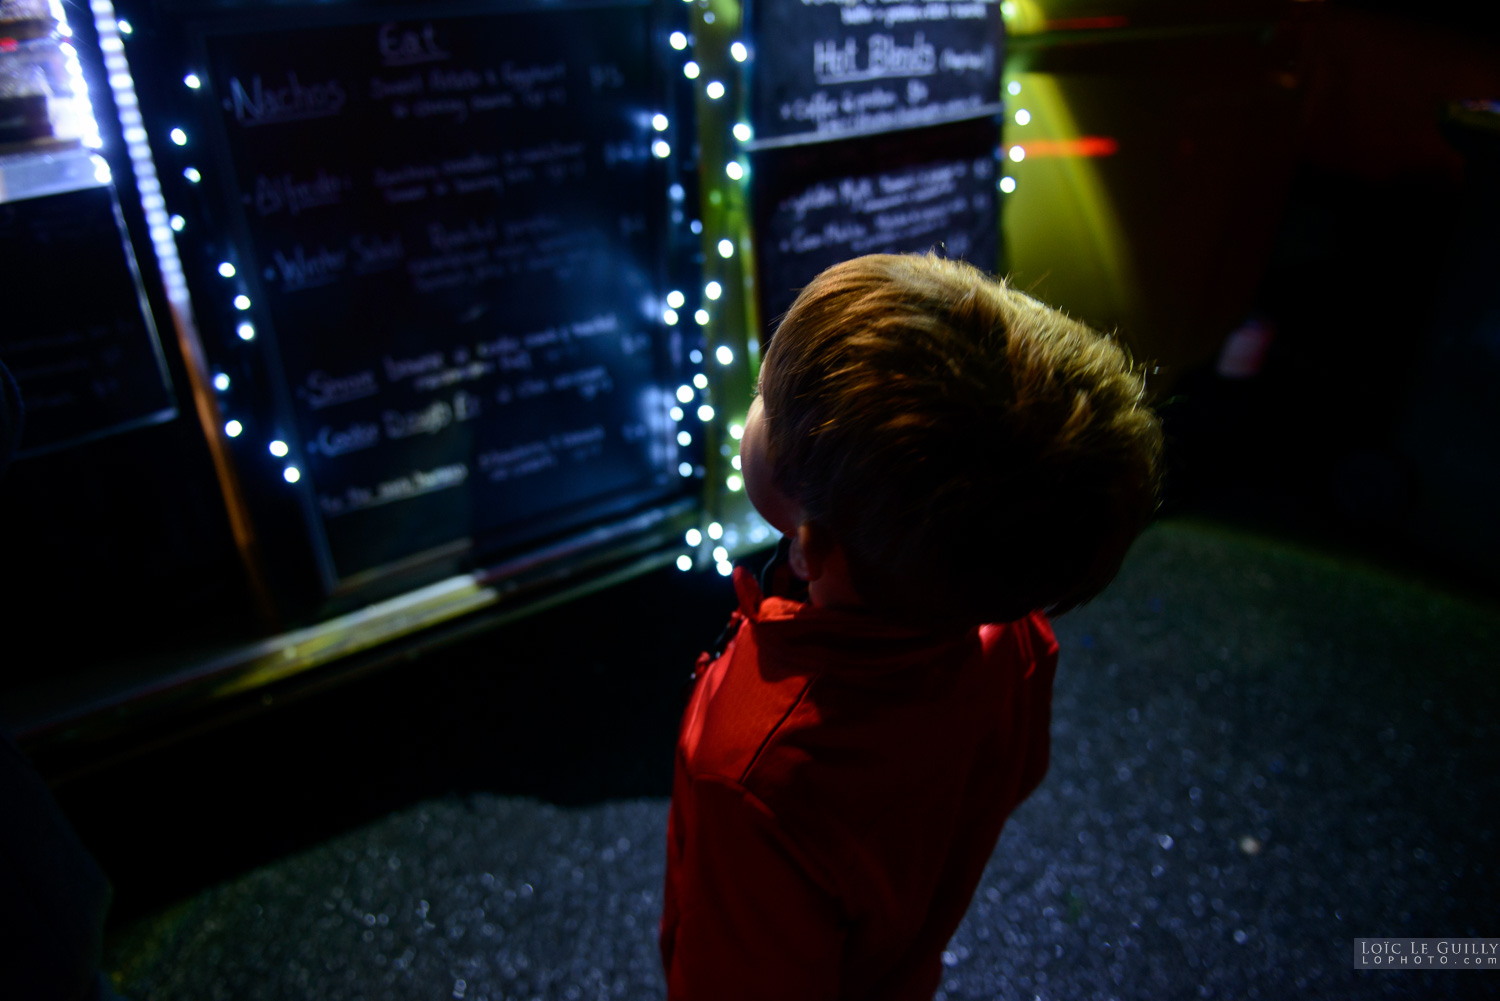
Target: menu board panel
449,227
832,68
819,206
77,334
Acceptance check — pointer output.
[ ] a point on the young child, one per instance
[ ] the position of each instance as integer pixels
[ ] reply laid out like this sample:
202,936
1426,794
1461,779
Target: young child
947,459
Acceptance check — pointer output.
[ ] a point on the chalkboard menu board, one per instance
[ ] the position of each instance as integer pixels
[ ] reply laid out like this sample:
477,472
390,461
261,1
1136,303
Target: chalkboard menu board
447,230
832,68
76,332
819,205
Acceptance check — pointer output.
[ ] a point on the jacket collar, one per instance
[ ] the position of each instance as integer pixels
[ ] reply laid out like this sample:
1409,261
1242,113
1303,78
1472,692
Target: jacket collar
803,636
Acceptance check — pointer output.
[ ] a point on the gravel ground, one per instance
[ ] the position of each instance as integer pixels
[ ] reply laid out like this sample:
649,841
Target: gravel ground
1259,754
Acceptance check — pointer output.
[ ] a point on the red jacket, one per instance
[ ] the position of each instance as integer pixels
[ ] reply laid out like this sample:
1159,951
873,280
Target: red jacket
840,785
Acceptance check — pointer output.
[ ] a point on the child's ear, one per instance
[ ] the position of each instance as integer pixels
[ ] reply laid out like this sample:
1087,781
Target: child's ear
807,552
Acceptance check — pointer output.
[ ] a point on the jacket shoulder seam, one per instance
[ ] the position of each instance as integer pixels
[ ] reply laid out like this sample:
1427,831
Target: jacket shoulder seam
771,734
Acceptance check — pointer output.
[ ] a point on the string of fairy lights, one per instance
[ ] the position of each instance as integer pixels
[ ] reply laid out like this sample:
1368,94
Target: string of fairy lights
720,248
113,31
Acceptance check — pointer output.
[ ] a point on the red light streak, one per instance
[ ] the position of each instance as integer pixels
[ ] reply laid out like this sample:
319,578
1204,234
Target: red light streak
1082,146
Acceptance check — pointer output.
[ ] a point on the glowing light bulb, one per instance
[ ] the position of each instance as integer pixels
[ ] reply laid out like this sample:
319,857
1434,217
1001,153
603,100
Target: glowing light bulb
676,414
705,413
221,382
677,40
684,394
715,530
177,222
291,474
738,51
684,562
726,248
661,149
734,170
192,81
734,483
725,569
695,356
701,381
735,462
685,469
242,302
690,70
724,354
191,173
278,448
1017,154
226,269
233,428
714,90
694,537
736,431
1023,116
669,317
123,26
713,290
701,316
742,132
1013,88
178,136
675,299
720,554
246,332
1007,184
684,439
659,122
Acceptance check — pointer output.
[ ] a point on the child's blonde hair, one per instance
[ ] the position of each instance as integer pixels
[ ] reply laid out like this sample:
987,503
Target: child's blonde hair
977,454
